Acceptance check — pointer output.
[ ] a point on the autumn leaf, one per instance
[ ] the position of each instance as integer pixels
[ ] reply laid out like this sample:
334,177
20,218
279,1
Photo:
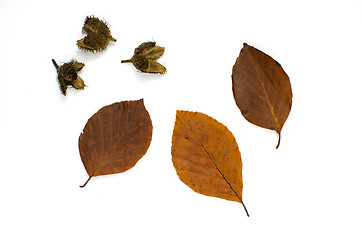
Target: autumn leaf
206,156
115,138
262,89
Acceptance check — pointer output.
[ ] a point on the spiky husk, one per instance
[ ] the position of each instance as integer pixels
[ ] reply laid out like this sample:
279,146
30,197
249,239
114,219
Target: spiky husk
93,43
98,36
68,75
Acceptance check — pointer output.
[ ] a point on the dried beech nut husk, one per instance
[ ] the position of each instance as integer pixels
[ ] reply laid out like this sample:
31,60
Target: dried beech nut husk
144,58
68,75
78,83
141,63
99,35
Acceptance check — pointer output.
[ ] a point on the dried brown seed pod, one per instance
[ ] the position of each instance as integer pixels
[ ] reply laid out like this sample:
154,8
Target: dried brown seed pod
155,67
144,58
144,47
78,83
140,63
68,75
98,36
93,43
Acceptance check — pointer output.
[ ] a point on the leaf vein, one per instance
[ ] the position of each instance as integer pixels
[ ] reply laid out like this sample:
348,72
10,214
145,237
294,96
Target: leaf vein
193,161
201,173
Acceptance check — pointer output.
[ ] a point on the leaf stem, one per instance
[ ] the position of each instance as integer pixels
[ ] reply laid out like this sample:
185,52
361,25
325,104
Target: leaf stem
278,140
95,170
246,210
82,186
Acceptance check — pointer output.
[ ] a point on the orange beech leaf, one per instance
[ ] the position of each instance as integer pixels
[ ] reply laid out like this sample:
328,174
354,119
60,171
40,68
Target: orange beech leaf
115,138
262,89
206,156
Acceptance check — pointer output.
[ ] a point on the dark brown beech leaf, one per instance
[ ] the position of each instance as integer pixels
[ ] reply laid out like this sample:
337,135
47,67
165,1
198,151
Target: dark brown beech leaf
115,138
262,89
206,156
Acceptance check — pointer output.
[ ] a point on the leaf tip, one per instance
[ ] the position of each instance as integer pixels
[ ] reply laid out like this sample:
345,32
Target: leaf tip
245,46
179,112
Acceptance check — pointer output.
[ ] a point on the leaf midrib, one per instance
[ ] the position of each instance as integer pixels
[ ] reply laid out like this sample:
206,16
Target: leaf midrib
271,108
114,146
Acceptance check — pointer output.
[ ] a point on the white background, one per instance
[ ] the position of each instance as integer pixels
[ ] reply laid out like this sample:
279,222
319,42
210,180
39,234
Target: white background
309,188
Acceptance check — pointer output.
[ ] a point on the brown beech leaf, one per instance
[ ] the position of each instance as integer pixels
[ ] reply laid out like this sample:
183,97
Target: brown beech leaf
115,138
206,156
262,89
